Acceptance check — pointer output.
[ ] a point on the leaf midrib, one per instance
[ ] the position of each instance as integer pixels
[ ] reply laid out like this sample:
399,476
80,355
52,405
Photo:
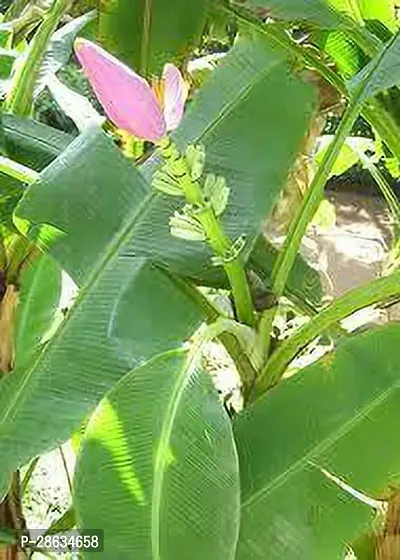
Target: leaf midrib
145,43
230,107
165,437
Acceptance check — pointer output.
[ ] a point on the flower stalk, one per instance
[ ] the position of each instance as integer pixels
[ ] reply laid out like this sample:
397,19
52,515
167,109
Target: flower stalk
220,243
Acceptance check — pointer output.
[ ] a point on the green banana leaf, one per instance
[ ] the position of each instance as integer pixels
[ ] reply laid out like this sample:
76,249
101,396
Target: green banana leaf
331,14
127,311
382,12
319,12
11,190
251,116
28,142
340,414
254,155
146,35
160,458
31,143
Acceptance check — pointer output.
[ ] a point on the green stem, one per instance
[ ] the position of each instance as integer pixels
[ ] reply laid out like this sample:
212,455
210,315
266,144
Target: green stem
314,195
20,98
28,475
216,237
221,245
313,198
384,124
65,465
237,352
374,292
17,170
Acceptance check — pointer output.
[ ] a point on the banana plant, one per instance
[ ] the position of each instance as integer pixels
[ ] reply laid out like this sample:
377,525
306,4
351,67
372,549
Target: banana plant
307,466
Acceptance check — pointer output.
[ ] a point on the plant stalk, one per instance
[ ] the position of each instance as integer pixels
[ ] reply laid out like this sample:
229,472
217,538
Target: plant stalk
312,199
383,185
374,292
15,9
216,237
314,194
367,41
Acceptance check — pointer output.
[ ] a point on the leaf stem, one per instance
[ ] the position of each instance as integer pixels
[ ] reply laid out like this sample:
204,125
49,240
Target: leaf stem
237,352
372,293
314,194
366,40
65,465
313,198
216,237
28,475
384,186
15,9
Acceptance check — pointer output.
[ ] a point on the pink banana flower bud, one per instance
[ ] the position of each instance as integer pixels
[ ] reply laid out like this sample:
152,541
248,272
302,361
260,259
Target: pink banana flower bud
127,99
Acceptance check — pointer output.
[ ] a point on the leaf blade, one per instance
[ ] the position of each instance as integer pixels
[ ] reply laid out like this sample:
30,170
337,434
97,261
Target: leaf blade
169,479
331,419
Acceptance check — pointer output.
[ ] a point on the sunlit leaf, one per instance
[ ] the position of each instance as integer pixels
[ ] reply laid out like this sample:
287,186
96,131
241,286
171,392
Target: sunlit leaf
159,454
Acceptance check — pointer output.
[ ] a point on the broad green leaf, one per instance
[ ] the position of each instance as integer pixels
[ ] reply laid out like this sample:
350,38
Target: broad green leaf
330,14
159,456
40,291
7,59
386,73
32,143
20,95
105,223
351,8
348,57
6,35
325,417
127,310
146,35
11,191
